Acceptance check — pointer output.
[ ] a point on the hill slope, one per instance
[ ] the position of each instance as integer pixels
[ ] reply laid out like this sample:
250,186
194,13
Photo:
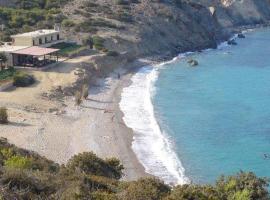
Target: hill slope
144,27
149,27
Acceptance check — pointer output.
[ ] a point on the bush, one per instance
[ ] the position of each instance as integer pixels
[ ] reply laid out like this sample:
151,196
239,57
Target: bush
88,41
3,115
27,185
21,79
18,162
68,23
7,73
7,153
98,42
90,164
146,189
194,192
244,184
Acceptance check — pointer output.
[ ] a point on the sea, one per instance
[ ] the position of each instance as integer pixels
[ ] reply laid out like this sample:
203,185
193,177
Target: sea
194,124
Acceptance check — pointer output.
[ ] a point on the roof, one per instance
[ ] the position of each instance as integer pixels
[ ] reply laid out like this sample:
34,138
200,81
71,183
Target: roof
37,33
11,48
35,51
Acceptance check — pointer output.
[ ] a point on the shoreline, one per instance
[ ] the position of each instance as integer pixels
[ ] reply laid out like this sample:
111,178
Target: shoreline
97,125
59,129
161,61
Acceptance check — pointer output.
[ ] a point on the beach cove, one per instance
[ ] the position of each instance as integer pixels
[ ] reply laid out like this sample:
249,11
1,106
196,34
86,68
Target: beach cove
101,126
207,120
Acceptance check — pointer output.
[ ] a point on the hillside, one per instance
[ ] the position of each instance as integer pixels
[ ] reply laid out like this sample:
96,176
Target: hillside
26,175
136,26
178,26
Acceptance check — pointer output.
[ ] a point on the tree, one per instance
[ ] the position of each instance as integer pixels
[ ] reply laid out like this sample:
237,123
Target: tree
3,60
88,41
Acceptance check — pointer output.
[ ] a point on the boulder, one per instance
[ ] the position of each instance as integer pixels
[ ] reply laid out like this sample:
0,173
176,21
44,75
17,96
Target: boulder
232,42
241,35
193,62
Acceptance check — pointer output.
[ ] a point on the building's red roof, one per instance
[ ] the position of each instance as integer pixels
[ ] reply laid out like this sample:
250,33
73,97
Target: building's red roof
35,51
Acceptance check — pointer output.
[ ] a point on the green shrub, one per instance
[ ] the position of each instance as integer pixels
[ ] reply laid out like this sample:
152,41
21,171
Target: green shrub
68,23
88,41
3,115
25,184
7,153
244,184
21,79
146,189
89,163
68,49
98,42
7,73
18,162
184,192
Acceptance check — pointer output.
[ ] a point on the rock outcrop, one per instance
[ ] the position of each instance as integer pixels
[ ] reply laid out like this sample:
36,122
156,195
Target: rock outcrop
158,27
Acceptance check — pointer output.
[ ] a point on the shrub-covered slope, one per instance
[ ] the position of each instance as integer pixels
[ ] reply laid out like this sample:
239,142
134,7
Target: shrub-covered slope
24,175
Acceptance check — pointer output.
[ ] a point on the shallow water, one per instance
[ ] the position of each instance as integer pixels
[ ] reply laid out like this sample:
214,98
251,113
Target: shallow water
217,114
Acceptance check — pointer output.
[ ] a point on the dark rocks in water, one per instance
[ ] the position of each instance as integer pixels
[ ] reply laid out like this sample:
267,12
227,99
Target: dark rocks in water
193,62
232,42
241,35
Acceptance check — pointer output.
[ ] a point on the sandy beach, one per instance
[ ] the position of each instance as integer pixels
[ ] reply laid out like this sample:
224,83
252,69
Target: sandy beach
59,129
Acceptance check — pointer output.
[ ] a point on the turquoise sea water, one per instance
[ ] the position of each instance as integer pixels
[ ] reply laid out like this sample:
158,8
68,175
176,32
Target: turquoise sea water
218,114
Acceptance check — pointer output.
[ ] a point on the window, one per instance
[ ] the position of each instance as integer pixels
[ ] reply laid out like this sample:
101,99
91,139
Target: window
40,40
46,40
33,42
51,38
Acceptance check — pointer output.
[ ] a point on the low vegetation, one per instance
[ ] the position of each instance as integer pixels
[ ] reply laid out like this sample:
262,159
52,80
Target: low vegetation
68,49
7,74
3,115
98,42
3,60
26,175
21,79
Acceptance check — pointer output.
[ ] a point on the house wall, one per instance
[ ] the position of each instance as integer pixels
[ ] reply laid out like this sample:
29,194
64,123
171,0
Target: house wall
37,41
23,41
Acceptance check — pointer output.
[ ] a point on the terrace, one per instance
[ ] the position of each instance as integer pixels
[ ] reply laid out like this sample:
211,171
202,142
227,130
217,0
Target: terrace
35,57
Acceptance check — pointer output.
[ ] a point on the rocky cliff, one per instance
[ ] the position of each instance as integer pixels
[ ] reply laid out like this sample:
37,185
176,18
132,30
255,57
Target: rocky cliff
158,26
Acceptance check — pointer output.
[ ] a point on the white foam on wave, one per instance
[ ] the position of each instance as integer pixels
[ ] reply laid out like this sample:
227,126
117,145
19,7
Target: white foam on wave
151,145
